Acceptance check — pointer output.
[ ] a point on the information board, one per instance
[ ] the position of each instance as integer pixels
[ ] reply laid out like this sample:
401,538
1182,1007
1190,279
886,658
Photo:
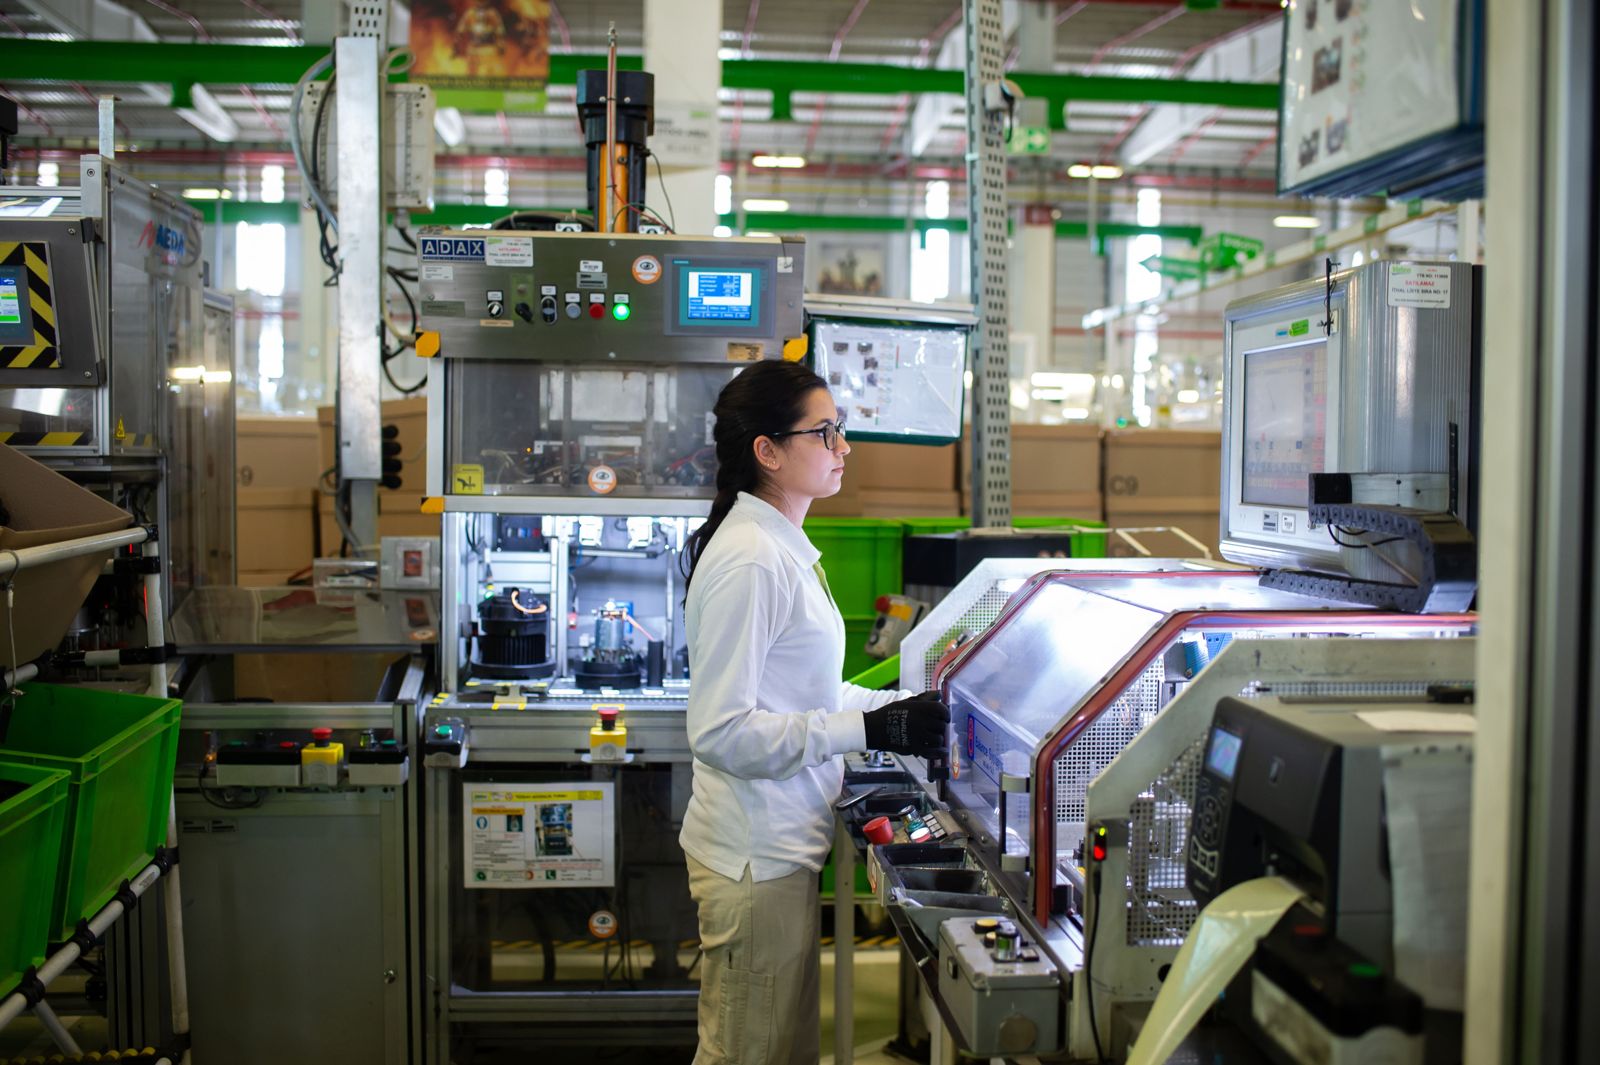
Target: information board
523,836
898,382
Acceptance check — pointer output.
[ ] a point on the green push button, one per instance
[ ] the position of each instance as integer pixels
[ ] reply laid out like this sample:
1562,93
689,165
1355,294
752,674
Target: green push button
1365,970
441,730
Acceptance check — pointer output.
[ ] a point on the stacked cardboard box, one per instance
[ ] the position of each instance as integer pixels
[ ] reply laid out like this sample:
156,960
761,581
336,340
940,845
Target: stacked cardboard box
1163,477
1055,472
894,481
277,472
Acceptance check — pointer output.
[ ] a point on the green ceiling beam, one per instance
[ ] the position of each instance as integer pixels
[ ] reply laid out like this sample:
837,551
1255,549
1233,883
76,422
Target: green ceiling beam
183,65
787,222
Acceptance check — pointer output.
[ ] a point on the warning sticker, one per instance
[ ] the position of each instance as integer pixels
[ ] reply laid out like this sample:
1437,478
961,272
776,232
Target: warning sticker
602,480
466,479
602,924
738,352
508,251
1418,285
647,269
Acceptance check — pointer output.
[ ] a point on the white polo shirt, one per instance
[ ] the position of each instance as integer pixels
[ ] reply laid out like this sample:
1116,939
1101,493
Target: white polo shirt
769,719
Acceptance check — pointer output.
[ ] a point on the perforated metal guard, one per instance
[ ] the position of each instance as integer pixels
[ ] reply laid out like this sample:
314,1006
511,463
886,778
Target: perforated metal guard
977,618
1160,908
1094,749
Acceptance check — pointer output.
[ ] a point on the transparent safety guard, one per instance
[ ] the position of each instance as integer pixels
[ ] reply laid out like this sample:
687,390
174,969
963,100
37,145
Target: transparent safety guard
621,431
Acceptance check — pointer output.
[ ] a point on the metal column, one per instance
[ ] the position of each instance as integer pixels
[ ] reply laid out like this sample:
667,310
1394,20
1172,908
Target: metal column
361,234
986,229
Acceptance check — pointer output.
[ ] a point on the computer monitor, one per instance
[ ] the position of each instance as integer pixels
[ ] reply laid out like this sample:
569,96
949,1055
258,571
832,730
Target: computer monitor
1371,373
897,370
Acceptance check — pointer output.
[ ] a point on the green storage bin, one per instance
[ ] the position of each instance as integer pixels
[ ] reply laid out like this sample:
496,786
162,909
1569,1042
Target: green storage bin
856,631
31,826
862,559
118,753
1082,546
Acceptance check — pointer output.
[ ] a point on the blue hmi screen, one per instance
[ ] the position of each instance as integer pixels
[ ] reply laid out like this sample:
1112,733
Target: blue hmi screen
710,295
1223,758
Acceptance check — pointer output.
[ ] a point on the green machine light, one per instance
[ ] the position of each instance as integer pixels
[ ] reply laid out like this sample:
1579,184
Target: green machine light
620,311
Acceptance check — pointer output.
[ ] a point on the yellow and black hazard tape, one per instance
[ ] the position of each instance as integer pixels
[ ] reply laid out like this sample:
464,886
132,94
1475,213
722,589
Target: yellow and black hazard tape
43,353
42,439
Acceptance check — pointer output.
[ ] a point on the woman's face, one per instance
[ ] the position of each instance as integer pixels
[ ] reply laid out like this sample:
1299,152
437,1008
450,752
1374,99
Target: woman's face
805,466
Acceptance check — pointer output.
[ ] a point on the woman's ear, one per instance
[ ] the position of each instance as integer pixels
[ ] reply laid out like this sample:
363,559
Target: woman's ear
767,454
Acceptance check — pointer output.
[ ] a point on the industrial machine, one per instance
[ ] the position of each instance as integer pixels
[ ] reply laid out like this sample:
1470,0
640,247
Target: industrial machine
1080,833
116,364
1109,657
1348,434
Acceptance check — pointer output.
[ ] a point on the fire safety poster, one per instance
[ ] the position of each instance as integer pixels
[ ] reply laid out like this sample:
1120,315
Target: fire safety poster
481,44
539,835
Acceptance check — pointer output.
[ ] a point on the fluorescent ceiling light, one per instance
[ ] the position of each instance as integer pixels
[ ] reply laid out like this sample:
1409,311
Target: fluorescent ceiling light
209,116
207,194
1075,414
764,206
780,162
1052,379
187,373
216,377
1101,171
1189,395
722,231
1296,221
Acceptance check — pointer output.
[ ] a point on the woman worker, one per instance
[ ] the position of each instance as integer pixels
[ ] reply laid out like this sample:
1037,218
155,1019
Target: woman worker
769,719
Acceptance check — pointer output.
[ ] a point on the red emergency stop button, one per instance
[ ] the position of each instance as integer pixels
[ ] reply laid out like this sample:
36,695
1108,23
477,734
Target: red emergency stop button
322,735
596,310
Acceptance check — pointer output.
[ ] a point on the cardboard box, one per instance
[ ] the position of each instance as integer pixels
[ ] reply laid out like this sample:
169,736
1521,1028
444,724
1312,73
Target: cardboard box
399,514
278,451
893,503
45,508
899,467
1141,464
1047,460
1196,516
276,531
410,417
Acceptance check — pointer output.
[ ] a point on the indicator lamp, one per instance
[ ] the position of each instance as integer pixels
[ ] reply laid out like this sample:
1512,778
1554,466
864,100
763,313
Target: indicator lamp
620,311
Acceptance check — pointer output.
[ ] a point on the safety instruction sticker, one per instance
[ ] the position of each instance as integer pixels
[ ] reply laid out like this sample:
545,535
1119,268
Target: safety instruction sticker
508,251
539,835
466,479
1417,285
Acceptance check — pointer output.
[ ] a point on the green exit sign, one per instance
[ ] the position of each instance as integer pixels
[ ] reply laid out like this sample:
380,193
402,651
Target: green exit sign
1030,140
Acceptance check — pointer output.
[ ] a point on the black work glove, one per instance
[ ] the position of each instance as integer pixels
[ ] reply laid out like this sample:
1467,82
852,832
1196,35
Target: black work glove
910,726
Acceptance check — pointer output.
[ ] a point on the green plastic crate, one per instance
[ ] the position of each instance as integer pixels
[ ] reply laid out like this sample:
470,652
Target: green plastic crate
862,558
856,631
118,752
1082,546
31,825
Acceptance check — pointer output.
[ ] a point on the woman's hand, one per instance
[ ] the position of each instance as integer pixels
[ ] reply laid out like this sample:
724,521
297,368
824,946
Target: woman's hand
914,726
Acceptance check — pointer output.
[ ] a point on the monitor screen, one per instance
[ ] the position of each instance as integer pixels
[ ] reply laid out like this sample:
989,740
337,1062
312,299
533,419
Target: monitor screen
894,380
719,295
1223,757
16,321
1285,429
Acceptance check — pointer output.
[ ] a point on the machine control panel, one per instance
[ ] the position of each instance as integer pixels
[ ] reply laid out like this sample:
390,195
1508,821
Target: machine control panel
612,296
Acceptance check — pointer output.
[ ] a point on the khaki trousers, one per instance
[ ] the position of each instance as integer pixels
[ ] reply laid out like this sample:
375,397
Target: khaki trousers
759,970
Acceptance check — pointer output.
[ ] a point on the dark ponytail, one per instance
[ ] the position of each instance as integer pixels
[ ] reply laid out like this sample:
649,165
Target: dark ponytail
766,397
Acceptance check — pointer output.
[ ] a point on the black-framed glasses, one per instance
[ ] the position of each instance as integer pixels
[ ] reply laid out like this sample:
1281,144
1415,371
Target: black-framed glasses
831,433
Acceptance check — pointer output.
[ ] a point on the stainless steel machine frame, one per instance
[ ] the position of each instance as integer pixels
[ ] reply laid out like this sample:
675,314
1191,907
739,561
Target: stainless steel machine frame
143,397
1143,797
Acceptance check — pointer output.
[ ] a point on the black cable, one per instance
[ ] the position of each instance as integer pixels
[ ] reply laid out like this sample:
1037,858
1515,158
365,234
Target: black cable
1088,962
406,236
662,179
1360,547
